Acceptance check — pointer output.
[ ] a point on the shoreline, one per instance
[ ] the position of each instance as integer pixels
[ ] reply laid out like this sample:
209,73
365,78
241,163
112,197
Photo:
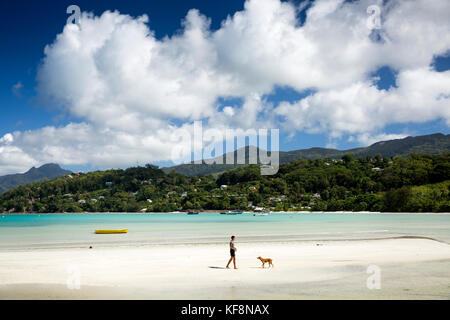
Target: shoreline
131,245
78,230
216,212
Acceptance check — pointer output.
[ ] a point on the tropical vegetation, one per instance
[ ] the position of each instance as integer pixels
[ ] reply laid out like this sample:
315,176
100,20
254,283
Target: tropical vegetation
418,183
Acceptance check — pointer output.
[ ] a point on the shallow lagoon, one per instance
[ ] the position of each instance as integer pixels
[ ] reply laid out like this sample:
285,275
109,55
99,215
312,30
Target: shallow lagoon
77,230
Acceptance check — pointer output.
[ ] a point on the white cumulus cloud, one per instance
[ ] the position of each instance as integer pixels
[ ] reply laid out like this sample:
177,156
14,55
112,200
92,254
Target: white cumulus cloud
129,91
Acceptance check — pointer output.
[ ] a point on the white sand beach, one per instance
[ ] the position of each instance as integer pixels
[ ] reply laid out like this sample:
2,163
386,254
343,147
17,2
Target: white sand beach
410,269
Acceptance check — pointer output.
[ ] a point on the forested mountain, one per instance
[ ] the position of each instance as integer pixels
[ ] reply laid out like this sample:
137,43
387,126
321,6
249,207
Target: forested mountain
416,183
47,171
428,144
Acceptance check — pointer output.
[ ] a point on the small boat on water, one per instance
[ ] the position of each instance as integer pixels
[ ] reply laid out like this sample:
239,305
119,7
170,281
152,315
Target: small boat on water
234,212
261,212
192,212
110,231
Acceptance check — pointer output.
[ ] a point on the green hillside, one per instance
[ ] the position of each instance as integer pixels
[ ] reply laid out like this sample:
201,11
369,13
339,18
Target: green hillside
428,144
416,183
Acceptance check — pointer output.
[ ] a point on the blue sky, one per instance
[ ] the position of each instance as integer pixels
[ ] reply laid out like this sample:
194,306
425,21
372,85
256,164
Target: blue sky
26,27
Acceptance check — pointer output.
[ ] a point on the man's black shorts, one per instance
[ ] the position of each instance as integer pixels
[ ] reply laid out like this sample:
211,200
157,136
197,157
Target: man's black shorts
232,253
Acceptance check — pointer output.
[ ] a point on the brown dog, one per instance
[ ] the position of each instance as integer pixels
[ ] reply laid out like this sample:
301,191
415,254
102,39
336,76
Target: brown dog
265,260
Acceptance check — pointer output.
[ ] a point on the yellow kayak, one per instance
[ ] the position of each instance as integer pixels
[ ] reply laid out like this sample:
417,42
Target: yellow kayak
105,231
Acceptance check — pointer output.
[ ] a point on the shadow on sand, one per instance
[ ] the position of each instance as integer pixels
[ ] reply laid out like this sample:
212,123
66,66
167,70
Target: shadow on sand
214,267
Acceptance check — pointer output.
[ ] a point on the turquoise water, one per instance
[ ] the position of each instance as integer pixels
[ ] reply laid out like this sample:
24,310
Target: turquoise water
73,230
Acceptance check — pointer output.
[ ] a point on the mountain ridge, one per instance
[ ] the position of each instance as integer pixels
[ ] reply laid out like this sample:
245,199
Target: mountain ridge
46,171
427,144
435,143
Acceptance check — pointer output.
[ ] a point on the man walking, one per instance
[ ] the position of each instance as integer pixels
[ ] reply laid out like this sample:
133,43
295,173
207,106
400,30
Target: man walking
233,250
